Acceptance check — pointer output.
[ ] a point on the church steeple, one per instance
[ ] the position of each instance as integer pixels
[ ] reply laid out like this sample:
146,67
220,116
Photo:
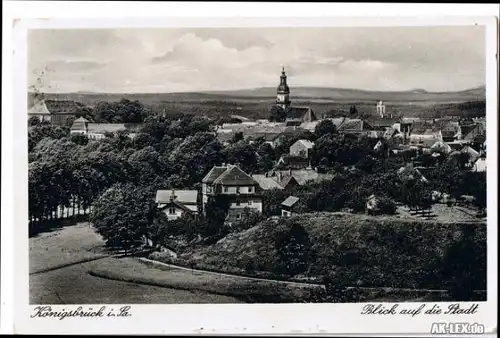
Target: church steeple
283,93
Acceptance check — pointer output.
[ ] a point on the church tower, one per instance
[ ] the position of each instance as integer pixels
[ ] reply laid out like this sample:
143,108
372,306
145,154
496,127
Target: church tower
283,94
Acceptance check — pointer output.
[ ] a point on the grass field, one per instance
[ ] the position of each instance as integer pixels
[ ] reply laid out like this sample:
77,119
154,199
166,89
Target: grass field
74,285
64,246
245,289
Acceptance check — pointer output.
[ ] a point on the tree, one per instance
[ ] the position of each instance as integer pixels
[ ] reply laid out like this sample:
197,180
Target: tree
353,111
124,215
242,153
33,121
417,194
216,213
325,127
294,248
386,206
238,136
79,139
267,156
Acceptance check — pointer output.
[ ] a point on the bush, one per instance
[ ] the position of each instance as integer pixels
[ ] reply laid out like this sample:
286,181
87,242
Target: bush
386,206
293,247
250,218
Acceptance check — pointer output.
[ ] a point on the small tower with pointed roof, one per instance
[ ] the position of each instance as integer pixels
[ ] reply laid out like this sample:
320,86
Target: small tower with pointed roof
283,93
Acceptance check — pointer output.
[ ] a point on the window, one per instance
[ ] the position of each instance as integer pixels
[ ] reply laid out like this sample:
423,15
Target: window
238,203
238,216
209,188
171,211
250,189
249,202
237,190
226,189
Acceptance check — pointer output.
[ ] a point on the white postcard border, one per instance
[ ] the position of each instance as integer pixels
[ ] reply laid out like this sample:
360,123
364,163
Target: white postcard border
248,318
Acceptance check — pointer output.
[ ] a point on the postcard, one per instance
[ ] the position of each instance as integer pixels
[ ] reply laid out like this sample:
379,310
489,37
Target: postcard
256,175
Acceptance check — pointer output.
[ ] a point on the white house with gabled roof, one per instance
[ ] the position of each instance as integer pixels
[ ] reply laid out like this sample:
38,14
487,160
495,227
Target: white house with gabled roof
240,189
301,148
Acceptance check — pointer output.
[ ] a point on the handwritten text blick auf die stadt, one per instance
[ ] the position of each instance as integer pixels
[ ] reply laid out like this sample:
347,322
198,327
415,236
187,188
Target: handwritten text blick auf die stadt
419,309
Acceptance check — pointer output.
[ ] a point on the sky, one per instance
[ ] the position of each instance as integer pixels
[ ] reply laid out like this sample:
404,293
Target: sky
161,60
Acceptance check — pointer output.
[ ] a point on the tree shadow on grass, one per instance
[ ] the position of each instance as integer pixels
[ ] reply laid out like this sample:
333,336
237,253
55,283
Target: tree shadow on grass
46,226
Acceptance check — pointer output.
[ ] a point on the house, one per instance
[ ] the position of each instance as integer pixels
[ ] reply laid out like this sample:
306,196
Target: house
450,130
176,203
301,176
384,123
473,154
301,148
480,165
372,205
292,162
269,138
302,114
278,181
441,147
96,131
425,139
233,184
224,136
471,131
355,127
311,126
54,114
292,206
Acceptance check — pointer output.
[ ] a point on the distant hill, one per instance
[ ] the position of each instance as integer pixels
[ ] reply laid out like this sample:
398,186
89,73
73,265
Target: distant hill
342,94
318,94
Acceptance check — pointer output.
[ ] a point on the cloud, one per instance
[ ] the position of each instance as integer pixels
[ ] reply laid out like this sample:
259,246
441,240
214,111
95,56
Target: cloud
73,66
193,59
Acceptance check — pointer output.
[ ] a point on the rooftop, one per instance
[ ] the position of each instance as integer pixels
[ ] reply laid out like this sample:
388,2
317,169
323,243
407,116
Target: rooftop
230,175
267,183
290,201
308,144
183,196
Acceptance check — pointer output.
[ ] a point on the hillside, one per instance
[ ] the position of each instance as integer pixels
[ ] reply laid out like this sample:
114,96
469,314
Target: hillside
369,251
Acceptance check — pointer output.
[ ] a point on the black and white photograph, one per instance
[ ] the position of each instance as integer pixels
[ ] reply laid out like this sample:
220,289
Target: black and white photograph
225,164
268,165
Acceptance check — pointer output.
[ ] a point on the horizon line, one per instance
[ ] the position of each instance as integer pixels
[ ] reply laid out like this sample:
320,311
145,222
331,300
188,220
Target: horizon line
221,91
